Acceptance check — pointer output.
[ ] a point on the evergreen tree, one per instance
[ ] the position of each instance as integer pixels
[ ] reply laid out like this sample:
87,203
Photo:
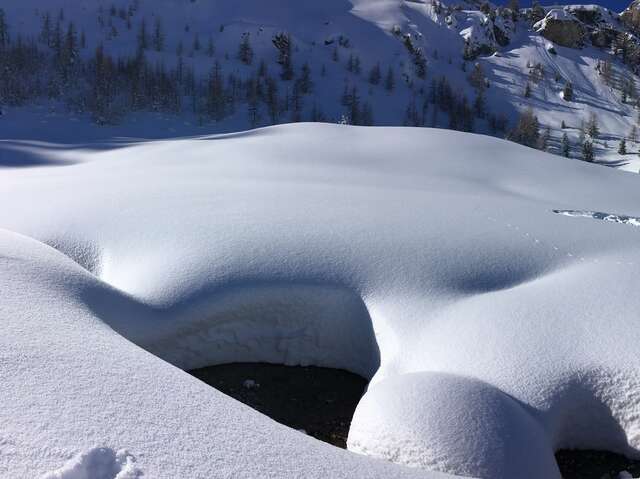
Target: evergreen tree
196,42
390,80
479,105
544,139
158,36
592,128
527,129
45,29
216,101
622,147
565,146
587,151
375,75
245,51
477,77
527,90
354,107
283,43
272,100
567,91
4,30
305,82
143,37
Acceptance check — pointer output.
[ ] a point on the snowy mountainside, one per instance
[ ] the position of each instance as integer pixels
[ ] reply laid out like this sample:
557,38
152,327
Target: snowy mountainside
417,42
475,281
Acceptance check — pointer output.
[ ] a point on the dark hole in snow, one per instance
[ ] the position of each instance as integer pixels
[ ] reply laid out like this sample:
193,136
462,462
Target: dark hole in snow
317,401
588,464
597,215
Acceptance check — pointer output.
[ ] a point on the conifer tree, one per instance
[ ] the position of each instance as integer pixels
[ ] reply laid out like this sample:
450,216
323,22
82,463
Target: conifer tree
143,37
622,147
390,80
567,92
158,36
565,146
587,151
245,51
375,75
305,82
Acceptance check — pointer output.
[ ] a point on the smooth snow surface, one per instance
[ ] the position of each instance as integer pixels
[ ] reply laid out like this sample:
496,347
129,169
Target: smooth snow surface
494,330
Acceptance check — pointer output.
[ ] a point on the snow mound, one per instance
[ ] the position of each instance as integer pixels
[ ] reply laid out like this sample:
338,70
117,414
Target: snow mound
457,410
98,463
427,260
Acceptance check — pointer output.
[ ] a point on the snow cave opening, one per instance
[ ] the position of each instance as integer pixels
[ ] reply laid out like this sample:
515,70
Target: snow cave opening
301,354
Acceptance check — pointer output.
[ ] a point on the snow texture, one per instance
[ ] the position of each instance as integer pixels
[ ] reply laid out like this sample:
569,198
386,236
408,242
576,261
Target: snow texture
98,463
494,331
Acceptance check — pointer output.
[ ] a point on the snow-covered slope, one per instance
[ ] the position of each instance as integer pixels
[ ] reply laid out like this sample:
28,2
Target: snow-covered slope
494,329
327,34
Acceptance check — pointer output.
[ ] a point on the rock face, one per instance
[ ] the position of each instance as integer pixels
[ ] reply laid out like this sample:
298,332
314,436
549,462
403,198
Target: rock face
483,34
631,16
562,28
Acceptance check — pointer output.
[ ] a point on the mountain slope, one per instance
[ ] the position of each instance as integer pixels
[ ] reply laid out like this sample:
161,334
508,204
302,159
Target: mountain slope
342,41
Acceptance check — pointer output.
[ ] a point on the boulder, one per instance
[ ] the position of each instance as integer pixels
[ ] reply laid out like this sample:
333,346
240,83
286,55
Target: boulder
562,28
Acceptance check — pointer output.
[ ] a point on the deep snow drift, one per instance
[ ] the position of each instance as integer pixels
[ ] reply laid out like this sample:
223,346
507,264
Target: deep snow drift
494,330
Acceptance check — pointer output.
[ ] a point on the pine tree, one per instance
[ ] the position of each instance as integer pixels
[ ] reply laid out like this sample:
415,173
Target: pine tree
565,146
272,100
354,107
375,75
196,42
479,105
366,115
210,47
158,36
477,77
544,139
592,128
567,92
587,151
4,31
245,51
390,80
143,38
527,129
283,43
527,90
45,30
306,84
633,134
622,147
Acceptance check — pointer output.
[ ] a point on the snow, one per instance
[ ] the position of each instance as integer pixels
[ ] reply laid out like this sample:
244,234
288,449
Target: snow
98,463
494,331
556,14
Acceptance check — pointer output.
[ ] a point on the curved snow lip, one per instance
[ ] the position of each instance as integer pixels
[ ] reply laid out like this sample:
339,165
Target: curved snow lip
597,215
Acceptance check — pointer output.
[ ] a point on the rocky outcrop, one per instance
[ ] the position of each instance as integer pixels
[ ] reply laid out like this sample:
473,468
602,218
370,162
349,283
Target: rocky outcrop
561,27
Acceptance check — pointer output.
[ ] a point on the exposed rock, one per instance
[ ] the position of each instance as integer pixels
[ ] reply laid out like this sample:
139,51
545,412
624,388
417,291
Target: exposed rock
562,28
